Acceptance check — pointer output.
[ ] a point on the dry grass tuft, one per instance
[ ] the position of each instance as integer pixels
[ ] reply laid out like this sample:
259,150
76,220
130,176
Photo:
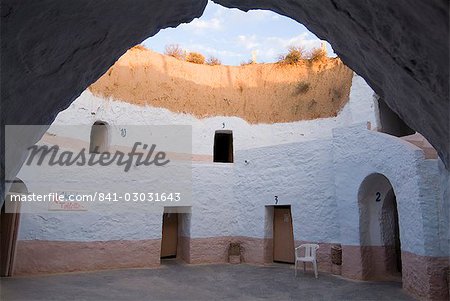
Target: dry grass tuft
249,62
175,51
295,55
317,54
213,61
195,57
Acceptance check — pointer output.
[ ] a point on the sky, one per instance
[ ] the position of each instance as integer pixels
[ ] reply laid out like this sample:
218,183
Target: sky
233,35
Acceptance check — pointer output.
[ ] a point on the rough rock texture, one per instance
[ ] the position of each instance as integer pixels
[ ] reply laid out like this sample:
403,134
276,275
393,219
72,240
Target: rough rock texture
52,50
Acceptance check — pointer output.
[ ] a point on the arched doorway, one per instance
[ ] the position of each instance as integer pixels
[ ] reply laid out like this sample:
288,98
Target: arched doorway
9,221
99,141
379,229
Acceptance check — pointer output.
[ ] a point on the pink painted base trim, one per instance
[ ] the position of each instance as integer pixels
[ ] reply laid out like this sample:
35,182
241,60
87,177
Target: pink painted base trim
423,277
42,257
367,263
215,249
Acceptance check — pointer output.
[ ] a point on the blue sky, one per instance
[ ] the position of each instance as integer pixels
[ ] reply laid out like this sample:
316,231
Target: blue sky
233,35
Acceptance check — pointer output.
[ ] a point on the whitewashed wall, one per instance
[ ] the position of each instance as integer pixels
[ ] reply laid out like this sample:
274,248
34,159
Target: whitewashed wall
88,108
359,153
307,164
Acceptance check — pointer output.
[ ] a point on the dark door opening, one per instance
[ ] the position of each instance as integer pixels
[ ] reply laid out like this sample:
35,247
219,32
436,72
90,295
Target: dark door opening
223,146
8,233
391,123
169,241
393,246
9,228
283,235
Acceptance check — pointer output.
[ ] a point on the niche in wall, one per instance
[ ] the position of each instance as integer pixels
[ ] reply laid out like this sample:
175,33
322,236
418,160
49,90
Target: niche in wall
99,142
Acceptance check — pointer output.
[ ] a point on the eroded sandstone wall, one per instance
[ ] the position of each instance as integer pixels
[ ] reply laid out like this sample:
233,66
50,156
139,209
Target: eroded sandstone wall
258,93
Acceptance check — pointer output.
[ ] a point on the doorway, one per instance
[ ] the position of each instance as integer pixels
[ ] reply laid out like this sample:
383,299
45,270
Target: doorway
283,235
379,229
9,228
169,241
223,146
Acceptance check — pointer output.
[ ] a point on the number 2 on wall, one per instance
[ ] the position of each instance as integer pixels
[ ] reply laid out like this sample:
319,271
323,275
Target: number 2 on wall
378,197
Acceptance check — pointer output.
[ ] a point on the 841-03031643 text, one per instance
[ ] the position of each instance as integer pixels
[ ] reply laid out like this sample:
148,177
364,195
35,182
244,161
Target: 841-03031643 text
99,197
140,197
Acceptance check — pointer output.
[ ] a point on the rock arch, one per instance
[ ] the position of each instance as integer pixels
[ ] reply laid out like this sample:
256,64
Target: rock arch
52,50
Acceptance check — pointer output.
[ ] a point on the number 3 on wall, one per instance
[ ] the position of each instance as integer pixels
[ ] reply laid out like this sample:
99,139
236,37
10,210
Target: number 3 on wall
123,132
378,197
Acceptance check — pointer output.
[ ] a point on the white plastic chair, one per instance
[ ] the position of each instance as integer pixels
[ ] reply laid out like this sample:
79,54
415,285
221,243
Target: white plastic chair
310,256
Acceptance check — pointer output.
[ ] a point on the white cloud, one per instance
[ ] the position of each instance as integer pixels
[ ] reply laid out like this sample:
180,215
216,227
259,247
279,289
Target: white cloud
210,24
234,35
236,16
298,40
269,48
211,51
249,42
198,26
259,14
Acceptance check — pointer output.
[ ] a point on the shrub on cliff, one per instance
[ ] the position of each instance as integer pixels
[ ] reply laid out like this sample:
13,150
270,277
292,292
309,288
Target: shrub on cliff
317,54
213,61
294,55
175,51
195,57
249,62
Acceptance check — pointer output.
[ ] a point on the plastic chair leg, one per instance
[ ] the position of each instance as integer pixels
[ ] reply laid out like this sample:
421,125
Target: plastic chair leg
316,273
295,267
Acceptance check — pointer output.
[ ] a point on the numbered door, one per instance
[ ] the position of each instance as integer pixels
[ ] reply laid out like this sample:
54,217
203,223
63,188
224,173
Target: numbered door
283,236
169,242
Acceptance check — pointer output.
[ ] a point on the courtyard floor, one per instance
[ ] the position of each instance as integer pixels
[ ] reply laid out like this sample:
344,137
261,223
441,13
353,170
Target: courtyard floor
197,282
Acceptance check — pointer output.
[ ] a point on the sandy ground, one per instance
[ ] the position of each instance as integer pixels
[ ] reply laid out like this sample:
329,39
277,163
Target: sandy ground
258,93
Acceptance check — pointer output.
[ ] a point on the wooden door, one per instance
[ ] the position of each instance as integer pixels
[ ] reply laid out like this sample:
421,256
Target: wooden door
169,240
9,224
283,236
